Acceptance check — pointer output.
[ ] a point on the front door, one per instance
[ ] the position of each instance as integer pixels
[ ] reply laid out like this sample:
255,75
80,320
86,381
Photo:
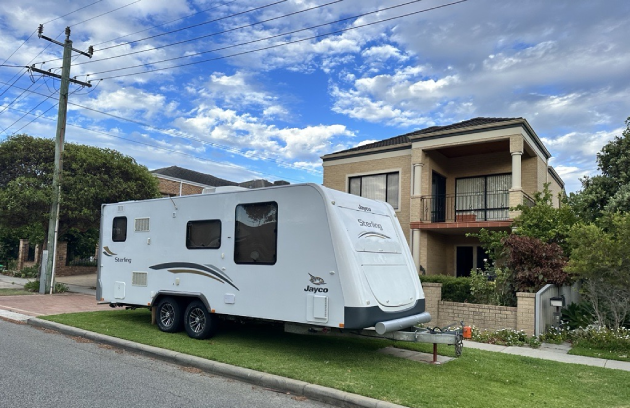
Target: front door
438,198
464,260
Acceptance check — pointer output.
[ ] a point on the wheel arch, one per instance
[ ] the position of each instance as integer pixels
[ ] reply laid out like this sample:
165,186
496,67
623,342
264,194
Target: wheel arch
184,295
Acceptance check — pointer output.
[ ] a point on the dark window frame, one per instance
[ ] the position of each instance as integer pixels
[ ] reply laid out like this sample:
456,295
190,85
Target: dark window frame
116,237
485,207
387,175
191,223
236,235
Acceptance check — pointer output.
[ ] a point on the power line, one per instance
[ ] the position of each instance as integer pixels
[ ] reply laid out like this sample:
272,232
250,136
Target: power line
174,31
167,149
198,25
179,134
213,34
17,97
50,21
34,31
108,12
29,112
278,45
163,24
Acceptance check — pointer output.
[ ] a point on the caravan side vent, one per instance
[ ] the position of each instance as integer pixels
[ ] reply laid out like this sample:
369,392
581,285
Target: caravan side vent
142,224
139,279
121,208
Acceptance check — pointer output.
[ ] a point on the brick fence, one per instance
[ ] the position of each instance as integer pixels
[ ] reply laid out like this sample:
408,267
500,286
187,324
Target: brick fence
61,268
487,317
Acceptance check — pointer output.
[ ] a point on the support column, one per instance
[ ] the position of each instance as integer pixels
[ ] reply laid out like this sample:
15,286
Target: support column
516,170
516,192
415,248
417,179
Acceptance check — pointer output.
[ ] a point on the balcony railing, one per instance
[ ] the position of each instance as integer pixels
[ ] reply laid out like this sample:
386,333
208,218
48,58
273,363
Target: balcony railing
493,206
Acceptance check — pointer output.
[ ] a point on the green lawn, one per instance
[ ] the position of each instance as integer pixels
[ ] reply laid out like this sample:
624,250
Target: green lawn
13,292
595,351
477,379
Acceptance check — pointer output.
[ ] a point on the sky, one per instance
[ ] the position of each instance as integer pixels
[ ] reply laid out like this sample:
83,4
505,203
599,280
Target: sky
248,89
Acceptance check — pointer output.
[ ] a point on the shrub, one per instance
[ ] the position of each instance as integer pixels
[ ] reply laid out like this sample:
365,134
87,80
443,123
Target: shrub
578,315
33,286
535,263
453,289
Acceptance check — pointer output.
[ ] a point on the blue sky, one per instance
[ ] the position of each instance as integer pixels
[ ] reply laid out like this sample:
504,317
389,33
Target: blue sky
265,92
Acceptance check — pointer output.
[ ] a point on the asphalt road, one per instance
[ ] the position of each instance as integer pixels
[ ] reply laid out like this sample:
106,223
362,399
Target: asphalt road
42,368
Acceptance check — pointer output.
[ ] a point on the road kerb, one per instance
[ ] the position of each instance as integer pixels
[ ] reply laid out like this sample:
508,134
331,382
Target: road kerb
296,387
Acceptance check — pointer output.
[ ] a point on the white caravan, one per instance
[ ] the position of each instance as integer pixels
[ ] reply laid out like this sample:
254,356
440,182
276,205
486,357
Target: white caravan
300,253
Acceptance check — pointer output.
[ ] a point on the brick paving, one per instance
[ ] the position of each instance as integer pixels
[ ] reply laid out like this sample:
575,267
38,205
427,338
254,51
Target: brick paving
42,305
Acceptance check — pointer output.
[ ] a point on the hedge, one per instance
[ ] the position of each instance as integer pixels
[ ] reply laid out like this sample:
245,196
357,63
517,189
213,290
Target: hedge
453,289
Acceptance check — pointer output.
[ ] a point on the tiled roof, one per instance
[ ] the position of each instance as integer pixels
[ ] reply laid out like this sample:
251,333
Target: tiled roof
208,180
194,176
406,138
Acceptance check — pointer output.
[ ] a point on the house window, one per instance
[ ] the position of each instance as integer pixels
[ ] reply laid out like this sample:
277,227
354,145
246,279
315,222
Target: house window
484,198
382,187
256,234
119,229
203,234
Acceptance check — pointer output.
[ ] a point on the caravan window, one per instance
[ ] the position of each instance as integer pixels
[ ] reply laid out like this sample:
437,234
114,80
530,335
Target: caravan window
203,234
256,234
119,229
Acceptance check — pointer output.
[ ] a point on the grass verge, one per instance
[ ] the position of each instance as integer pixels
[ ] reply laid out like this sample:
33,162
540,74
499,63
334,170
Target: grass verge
14,292
592,350
477,379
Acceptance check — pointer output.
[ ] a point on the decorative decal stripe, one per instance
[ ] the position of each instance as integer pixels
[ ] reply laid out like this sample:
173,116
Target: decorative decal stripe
189,267
373,234
108,251
218,272
194,272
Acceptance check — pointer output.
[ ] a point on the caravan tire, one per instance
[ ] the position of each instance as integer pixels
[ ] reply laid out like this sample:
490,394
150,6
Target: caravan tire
169,315
198,322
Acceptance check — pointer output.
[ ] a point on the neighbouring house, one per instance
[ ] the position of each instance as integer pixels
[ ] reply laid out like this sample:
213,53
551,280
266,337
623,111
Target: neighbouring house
447,181
177,181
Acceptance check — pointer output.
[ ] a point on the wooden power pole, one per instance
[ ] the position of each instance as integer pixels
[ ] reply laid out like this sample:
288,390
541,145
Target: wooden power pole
53,224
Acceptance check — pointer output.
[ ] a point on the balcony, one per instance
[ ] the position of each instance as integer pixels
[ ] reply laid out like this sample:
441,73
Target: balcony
465,208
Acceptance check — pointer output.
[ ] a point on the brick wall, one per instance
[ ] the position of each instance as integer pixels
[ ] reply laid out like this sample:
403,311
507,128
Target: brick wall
170,187
62,270
485,317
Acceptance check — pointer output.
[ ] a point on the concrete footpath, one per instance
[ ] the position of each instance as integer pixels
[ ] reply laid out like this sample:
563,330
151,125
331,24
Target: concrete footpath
25,309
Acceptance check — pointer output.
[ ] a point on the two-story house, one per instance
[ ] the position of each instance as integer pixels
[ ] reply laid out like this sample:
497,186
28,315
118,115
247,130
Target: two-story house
447,181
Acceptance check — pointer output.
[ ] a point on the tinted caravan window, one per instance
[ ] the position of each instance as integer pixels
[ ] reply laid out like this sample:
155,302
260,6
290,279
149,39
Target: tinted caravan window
203,234
256,234
119,229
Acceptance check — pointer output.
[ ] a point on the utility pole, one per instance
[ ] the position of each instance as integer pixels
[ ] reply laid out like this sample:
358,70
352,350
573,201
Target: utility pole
53,223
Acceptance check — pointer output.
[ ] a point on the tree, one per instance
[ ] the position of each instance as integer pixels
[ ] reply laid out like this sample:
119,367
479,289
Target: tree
544,221
91,176
610,191
601,257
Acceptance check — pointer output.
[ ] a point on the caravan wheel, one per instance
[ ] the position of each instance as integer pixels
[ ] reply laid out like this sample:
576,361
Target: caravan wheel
169,315
199,324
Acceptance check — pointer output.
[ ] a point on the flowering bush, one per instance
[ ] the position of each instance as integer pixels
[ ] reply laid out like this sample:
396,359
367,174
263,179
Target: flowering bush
504,337
616,340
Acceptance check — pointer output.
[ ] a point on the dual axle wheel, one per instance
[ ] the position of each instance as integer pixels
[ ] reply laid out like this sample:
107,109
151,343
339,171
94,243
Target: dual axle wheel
197,321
